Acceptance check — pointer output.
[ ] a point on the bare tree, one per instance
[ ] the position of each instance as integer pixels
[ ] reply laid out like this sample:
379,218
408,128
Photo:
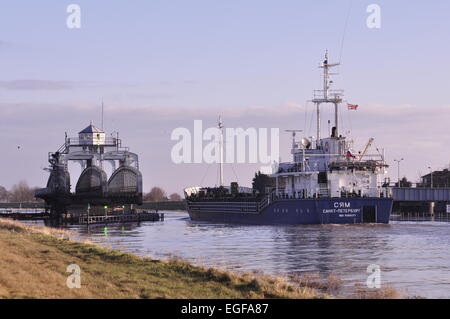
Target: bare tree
4,194
404,183
21,192
175,197
156,194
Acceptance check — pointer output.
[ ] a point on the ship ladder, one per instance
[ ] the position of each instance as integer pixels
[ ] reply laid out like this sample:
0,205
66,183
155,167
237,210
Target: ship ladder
323,190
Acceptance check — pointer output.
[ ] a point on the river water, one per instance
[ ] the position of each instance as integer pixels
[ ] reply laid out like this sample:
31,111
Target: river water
413,256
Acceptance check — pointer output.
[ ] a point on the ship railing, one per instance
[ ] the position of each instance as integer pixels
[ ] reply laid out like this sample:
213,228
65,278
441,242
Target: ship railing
108,141
226,207
358,158
293,169
283,194
338,161
294,195
234,206
331,94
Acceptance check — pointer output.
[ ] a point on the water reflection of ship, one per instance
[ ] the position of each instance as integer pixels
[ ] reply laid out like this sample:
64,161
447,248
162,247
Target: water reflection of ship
331,249
342,250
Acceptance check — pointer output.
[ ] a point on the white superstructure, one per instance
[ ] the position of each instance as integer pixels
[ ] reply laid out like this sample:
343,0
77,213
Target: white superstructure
329,167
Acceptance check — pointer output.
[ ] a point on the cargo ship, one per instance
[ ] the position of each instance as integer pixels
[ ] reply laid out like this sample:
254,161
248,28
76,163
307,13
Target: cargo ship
326,182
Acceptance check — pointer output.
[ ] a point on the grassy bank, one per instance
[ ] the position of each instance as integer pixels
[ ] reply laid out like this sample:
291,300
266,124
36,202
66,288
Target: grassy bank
34,260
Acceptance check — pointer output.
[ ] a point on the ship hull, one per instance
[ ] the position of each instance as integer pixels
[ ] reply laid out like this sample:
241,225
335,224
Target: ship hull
302,212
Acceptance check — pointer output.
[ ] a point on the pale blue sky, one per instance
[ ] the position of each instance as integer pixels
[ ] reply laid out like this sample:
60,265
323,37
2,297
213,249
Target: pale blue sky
146,58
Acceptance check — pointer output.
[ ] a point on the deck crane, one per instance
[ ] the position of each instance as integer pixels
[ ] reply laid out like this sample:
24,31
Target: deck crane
369,144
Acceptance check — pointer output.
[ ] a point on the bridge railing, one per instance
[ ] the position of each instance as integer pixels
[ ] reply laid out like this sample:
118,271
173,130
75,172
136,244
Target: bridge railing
420,194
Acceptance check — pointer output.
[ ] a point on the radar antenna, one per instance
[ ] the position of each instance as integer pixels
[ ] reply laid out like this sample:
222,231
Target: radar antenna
326,95
220,127
294,132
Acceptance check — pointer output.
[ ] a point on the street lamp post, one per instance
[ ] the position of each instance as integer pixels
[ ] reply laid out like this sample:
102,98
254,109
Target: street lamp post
431,174
398,169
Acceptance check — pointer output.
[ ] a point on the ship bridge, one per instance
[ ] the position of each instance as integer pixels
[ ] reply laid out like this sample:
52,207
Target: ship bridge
329,166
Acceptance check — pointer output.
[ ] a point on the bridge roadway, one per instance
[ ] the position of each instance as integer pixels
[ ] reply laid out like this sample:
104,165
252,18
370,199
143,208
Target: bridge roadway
421,194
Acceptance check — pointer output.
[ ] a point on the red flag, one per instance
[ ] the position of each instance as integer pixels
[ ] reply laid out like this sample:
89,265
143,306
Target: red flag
350,155
352,106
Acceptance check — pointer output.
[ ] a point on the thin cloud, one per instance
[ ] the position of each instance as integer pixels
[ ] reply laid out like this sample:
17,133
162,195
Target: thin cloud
4,44
39,85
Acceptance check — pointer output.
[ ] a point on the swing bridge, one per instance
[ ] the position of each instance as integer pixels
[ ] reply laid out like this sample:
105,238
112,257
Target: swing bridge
92,149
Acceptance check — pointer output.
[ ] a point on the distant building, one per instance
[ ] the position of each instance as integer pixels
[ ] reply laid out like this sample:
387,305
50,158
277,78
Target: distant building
438,179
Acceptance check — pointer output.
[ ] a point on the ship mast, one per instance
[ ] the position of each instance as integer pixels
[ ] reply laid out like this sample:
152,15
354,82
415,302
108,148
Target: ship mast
294,132
220,126
326,95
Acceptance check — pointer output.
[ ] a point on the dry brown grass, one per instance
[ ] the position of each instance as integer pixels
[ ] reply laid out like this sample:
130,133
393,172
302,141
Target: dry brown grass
331,284
385,292
34,262
269,286
16,226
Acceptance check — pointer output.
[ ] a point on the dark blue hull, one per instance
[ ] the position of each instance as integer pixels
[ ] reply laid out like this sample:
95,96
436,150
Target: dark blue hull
306,212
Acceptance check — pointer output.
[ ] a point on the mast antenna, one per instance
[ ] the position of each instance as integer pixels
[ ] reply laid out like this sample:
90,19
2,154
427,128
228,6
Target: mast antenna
345,31
294,133
102,113
220,127
326,95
